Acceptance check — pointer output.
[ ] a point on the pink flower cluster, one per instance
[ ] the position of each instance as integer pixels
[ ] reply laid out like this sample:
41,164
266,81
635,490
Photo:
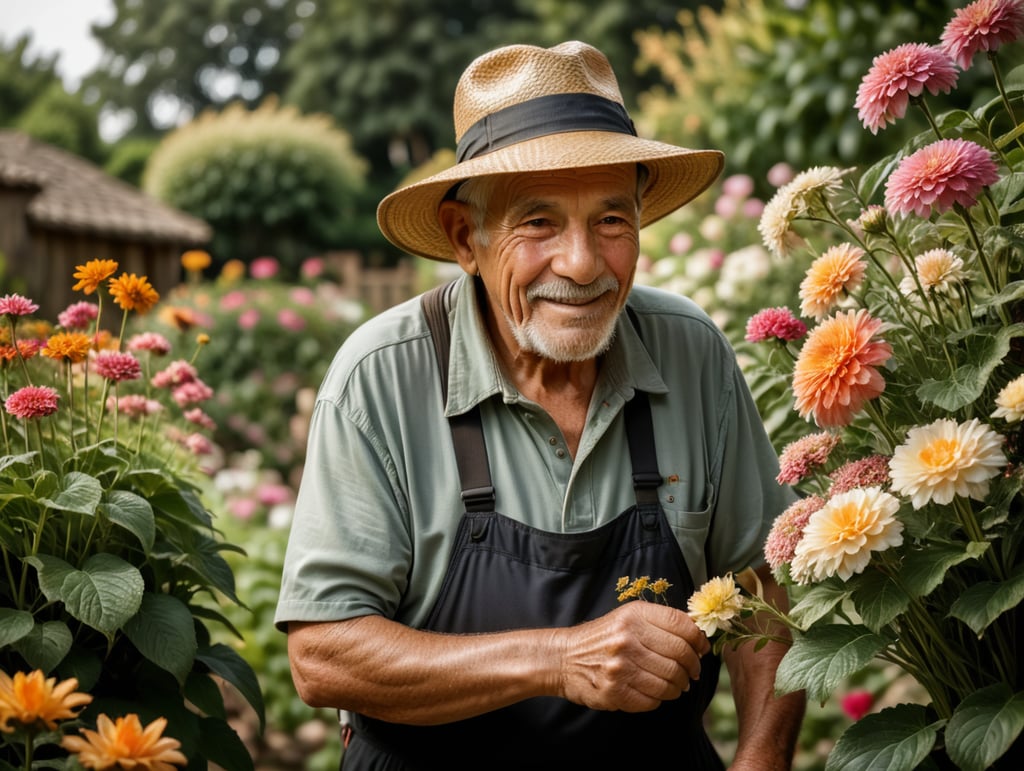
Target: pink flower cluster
154,342
788,529
774,324
183,380
134,405
801,457
78,315
117,366
872,471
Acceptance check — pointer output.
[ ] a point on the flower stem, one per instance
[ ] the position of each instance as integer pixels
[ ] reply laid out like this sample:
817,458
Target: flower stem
920,102
71,410
998,74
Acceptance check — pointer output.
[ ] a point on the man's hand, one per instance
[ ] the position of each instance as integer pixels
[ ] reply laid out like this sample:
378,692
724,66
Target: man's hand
631,659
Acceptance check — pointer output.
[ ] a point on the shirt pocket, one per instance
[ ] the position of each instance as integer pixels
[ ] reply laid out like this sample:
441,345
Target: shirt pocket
689,515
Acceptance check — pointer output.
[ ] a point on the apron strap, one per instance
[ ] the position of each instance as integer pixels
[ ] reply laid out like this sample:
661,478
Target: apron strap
467,429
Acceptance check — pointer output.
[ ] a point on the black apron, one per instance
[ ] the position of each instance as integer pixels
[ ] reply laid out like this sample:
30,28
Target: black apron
505,575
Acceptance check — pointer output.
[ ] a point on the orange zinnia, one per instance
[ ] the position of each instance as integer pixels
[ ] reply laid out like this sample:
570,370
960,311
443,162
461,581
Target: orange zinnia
69,346
92,274
835,371
133,292
31,697
195,260
124,743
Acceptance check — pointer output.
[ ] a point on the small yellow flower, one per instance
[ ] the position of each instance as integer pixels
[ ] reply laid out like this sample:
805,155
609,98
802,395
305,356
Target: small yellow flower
31,697
195,260
92,274
133,292
72,347
203,339
125,744
716,604
660,586
622,583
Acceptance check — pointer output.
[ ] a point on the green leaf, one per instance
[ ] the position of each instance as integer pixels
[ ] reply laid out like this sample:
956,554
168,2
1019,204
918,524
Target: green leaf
984,726
25,459
924,569
133,513
46,645
879,599
204,693
14,624
896,739
818,602
965,384
164,633
219,743
985,601
227,663
104,594
76,492
824,657
874,177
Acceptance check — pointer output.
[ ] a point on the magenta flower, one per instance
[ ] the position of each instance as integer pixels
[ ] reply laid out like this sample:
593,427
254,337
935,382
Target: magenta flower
32,402
264,267
896,76
857,704
774,324
290,320
153,342
78,315
788,529
12,305
233,300
800,458
872,471
983,25
312,267
939,175
117,366
248,318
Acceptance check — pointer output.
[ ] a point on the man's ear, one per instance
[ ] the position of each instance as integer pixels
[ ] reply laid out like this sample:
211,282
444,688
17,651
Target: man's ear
455,222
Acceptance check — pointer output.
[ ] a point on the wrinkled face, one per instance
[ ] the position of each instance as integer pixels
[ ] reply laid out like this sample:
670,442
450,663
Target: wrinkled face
557,258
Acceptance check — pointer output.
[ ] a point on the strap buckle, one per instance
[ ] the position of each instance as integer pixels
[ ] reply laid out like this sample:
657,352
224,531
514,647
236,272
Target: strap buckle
479,498
645,480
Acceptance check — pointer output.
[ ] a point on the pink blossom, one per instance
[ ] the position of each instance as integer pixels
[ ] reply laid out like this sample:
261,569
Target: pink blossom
175,374
313,267
726,206
872,471
117,366
249,318
939,175
680,243
857,704
290,320
896,76
243,508
200,418
134,405
264,267
12,305
774,324
302,295
198,444
800,458
779,174
753,208
32,402
982,26
788,529
193,392
271,494
78,315
738,185
153,342
233,300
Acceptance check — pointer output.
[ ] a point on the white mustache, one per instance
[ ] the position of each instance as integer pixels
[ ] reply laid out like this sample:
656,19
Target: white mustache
565,290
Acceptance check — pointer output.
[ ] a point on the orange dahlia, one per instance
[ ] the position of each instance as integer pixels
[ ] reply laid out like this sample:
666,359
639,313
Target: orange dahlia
92,274
124,743
133,292
68,346
31,697
838,271
835,372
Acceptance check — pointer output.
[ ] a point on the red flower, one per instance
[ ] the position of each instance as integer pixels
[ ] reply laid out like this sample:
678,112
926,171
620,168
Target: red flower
856,704
774,324
32,402
982,26
944,173
897,75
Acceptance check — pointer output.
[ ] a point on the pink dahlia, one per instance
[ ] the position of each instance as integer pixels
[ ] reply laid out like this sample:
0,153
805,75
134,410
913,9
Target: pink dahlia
788,529
896,76
193,392
154,342
32,402
983,25
800,458
78,315
117,366
939,175
175,374
774,324
16,305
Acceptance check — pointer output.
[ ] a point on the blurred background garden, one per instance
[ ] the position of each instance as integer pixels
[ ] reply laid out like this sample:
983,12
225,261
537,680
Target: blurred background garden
268,130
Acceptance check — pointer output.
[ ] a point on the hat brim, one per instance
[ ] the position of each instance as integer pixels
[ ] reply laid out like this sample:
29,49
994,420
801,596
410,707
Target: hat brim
408,217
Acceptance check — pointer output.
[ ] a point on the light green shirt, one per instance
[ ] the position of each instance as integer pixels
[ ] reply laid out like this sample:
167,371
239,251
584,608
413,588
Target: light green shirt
379,503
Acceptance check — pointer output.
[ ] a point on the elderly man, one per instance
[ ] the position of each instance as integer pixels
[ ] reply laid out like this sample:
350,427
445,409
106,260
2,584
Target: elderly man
486,462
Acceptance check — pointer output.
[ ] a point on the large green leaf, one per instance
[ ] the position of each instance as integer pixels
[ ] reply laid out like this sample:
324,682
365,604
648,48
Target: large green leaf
46,645
984,726
879,599
818,602
164,633
227,663
76,492
985,601
822,659
104,594
924,569
219,743
965,384
133,513
14,624
896,739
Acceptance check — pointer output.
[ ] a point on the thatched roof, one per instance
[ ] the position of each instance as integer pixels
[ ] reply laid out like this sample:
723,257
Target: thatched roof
77,196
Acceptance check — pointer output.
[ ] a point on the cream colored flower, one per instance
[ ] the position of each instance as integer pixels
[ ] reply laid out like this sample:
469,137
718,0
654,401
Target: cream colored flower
716,604
938,270
945,459
801,195
1010,402
840,536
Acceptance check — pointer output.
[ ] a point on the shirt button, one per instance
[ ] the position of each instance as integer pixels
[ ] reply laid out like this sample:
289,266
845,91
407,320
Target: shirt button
553,441
560,453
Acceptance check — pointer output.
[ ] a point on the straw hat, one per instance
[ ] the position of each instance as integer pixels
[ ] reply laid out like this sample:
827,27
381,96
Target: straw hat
525,108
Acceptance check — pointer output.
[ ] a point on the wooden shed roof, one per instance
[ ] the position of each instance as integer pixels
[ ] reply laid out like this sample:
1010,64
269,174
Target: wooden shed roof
75,195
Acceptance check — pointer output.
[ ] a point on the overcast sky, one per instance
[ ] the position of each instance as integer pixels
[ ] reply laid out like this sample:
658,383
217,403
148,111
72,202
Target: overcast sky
58,26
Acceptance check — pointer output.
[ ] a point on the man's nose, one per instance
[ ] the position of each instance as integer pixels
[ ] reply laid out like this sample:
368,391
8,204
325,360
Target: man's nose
577,256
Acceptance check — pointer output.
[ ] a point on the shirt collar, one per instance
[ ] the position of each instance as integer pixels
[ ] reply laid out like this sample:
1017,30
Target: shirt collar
475,375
